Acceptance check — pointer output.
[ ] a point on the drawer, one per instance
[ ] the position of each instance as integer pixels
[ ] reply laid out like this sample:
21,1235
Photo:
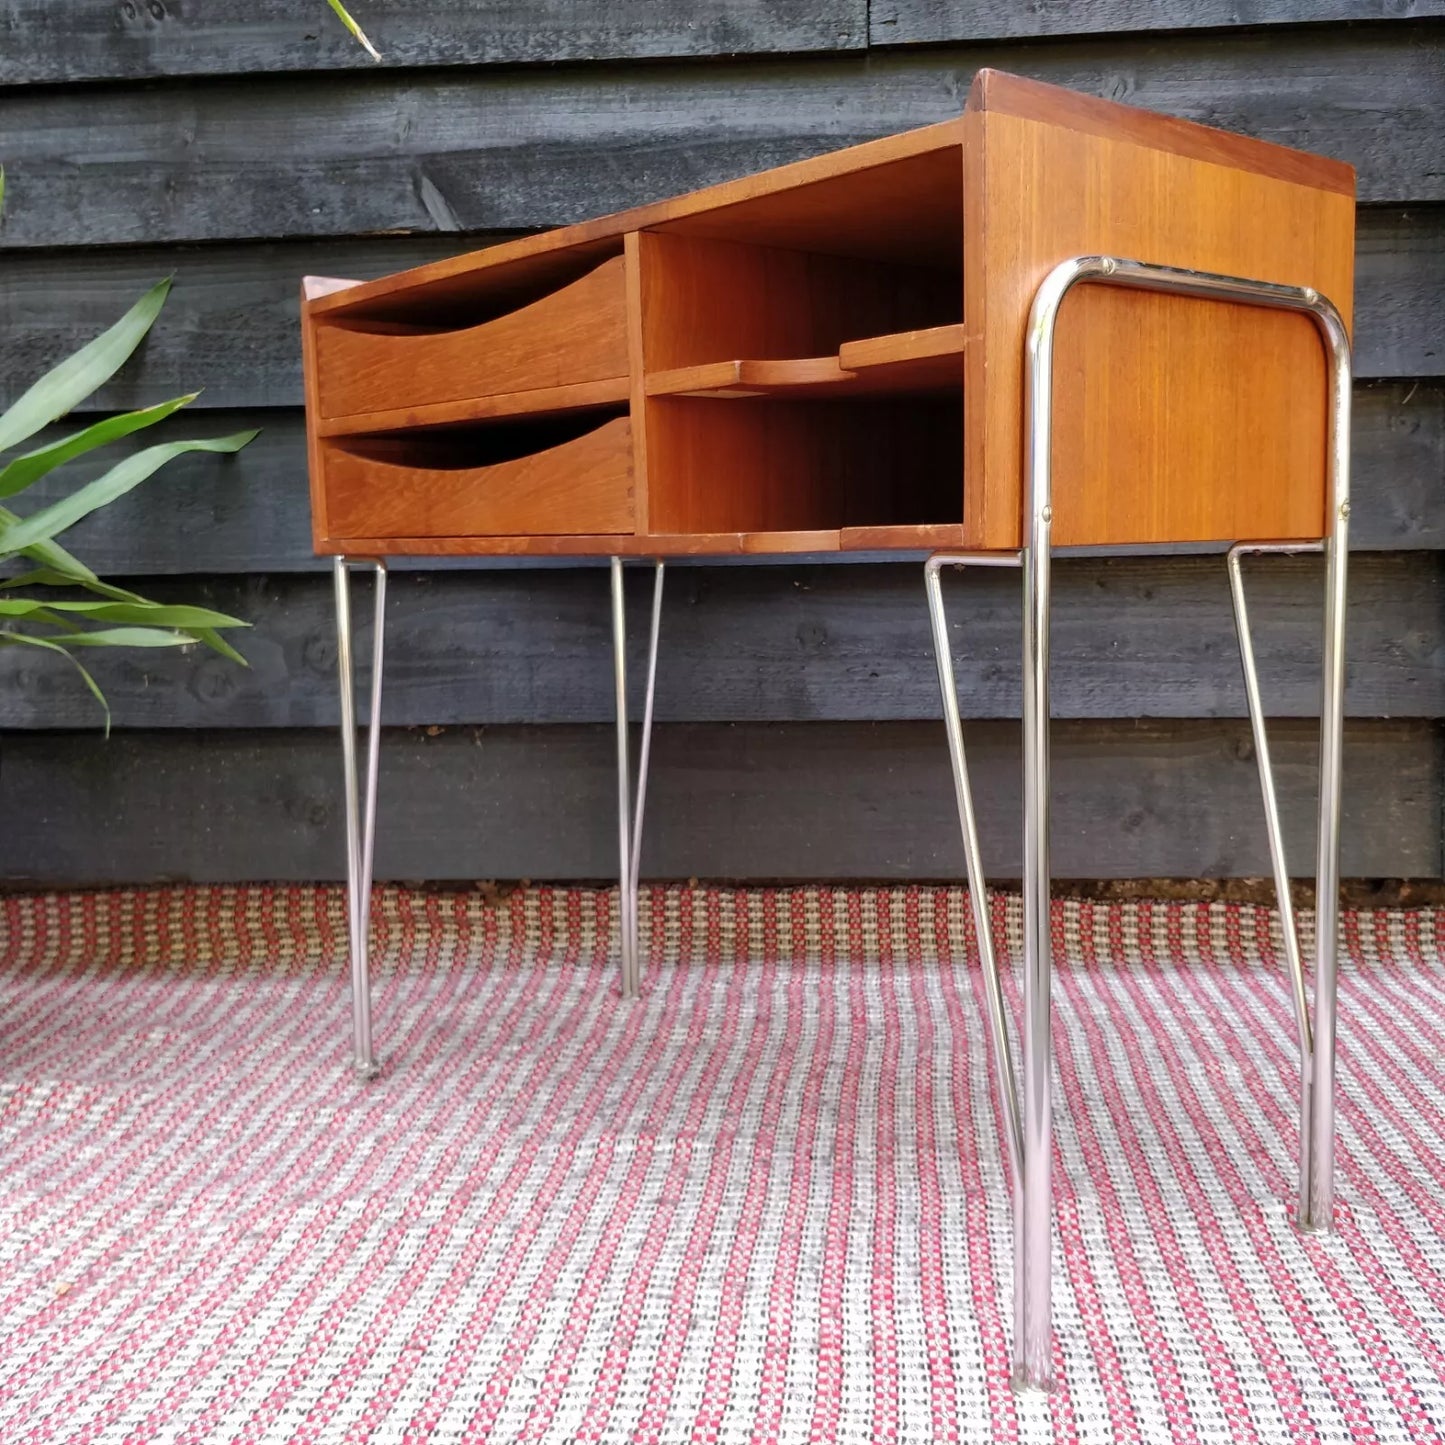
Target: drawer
574,334
500,481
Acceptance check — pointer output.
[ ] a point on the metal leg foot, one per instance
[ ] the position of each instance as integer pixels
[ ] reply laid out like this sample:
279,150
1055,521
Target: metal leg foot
629,818
360,818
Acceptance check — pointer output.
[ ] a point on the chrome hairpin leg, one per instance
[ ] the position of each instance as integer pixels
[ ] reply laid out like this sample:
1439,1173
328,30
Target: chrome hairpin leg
629,819
360,821
1315,1210
1027,1121
972,856
1316,1207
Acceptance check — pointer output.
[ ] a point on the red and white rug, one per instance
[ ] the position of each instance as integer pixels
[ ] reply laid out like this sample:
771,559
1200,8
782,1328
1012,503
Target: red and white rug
766,1204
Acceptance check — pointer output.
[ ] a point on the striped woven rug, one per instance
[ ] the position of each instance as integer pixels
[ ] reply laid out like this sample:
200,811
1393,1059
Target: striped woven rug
766,1204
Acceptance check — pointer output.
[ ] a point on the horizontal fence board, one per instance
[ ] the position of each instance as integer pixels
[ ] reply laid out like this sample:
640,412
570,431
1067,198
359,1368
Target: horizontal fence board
802,801
519,149
1141,637
251,512
910,22
231,326
49,43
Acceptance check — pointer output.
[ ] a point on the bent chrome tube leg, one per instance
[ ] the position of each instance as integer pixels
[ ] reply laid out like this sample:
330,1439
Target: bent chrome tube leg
1033,1251
1032,1215
1327,864
627,969
972,855
360,821
644,759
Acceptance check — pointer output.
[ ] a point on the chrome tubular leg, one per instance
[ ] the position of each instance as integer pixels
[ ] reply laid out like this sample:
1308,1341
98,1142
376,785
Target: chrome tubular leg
624,784
629,818
1332,701
644,759
1033,1248
972,856
1288,927
360,819
1033,1304
1317,1041
1032,1204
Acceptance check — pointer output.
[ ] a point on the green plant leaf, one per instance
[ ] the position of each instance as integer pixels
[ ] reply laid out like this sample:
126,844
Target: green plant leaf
68,384
41,526
23,470
126,637
20,639
41,577
49,577
40,612
151,614
51,555
217,643
354,28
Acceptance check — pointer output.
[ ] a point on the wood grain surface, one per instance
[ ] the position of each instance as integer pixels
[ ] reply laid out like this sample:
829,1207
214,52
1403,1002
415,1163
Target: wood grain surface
496,149
472,132
1174,419
572,334
48,43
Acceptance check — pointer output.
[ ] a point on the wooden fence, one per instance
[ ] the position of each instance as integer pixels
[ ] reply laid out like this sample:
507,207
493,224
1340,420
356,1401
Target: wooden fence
238,144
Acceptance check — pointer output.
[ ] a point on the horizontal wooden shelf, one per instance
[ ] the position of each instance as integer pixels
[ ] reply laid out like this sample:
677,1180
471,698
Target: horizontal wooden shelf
599,544
920,536
924,361
545,401
809,375
905,537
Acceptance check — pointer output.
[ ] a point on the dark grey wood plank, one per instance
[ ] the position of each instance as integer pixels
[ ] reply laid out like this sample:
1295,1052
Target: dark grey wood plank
251,512
484,150
231,324
49,43
803,801
1138,637
911,22
230,329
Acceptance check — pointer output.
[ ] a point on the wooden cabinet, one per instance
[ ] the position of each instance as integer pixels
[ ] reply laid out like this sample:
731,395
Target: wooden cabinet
830,355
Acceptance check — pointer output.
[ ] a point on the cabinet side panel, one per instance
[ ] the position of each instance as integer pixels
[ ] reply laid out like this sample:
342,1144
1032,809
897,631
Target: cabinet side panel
1175,419
320,530
637,382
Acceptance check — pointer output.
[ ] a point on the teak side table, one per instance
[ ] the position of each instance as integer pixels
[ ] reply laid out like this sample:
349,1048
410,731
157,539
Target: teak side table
1051,322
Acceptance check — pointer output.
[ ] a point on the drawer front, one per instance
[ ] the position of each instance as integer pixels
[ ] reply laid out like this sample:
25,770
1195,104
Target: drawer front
575,334
578,487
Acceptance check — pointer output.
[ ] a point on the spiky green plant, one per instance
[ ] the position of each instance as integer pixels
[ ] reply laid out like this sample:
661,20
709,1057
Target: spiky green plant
39,605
